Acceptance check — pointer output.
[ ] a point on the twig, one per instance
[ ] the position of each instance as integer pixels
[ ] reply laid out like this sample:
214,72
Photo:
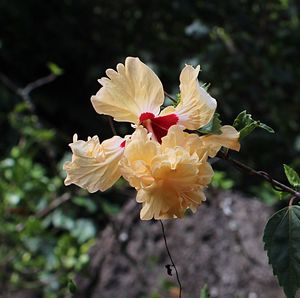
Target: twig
275,184
111,124
54,204
24,92
38,83
43,213
170,97
169,254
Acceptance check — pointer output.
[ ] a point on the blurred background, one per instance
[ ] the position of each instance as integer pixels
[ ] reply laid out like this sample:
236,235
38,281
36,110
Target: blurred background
51,55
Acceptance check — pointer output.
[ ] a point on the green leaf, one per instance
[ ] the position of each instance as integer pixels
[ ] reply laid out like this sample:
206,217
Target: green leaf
213,127
72,286
245,124
292,176
204,292
282,243
55,69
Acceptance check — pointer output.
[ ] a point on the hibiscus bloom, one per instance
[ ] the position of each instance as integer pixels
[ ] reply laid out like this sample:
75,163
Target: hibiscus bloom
167,166
135,94
169,177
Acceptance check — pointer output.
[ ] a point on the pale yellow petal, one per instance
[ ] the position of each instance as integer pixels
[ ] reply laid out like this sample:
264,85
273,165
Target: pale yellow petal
167,111
138,155
169,177
191,142
94,166
128,92
229,138
196,107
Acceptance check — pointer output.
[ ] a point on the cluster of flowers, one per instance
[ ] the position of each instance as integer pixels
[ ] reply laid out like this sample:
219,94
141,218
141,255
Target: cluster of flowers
166,165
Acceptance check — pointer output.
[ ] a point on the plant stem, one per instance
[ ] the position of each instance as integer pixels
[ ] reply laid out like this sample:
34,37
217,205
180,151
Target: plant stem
169,254
275,184
170,97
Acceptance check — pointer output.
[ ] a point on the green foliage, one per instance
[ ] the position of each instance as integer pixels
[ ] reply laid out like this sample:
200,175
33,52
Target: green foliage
245,124
221,181
204,292
55,69
267,194
292,176
282,242
40,252
213,127
72,286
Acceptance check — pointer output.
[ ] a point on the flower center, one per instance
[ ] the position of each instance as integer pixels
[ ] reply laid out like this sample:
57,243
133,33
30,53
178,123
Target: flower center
158,125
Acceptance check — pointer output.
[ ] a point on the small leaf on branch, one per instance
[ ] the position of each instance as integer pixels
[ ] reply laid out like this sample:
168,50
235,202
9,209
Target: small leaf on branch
245,124
213,127
55,69
282,243
292,176
204,292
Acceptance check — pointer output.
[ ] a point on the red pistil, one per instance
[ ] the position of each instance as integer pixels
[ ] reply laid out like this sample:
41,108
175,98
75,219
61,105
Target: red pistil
122,145
158,125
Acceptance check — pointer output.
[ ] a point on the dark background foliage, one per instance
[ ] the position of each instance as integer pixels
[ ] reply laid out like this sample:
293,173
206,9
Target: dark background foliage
248,50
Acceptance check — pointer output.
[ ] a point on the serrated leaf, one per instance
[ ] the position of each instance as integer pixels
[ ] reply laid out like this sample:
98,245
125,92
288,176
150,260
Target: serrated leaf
282,243
292,176
245,124
213,127
204,292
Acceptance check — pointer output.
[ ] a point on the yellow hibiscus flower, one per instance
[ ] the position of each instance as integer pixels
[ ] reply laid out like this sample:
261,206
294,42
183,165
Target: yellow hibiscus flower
167,166
135,94
169,177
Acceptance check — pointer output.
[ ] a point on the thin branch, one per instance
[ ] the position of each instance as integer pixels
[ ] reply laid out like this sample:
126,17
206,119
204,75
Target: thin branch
24,92
38,83
54,205
57,202
169,254
275,184
112,126
170,97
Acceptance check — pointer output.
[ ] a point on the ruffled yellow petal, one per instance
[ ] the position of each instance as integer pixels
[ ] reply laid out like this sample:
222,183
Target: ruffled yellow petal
196,107
128,92
229,138
169,177
191,142
178,185
138,155
94,166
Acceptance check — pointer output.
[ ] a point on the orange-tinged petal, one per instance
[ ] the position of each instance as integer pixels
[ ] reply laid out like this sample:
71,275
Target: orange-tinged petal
169,177
229,138
94,166
138,155
191,142
196,106
128,92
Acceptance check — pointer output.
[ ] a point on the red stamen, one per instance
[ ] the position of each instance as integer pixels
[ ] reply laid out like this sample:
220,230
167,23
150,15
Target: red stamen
158,125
